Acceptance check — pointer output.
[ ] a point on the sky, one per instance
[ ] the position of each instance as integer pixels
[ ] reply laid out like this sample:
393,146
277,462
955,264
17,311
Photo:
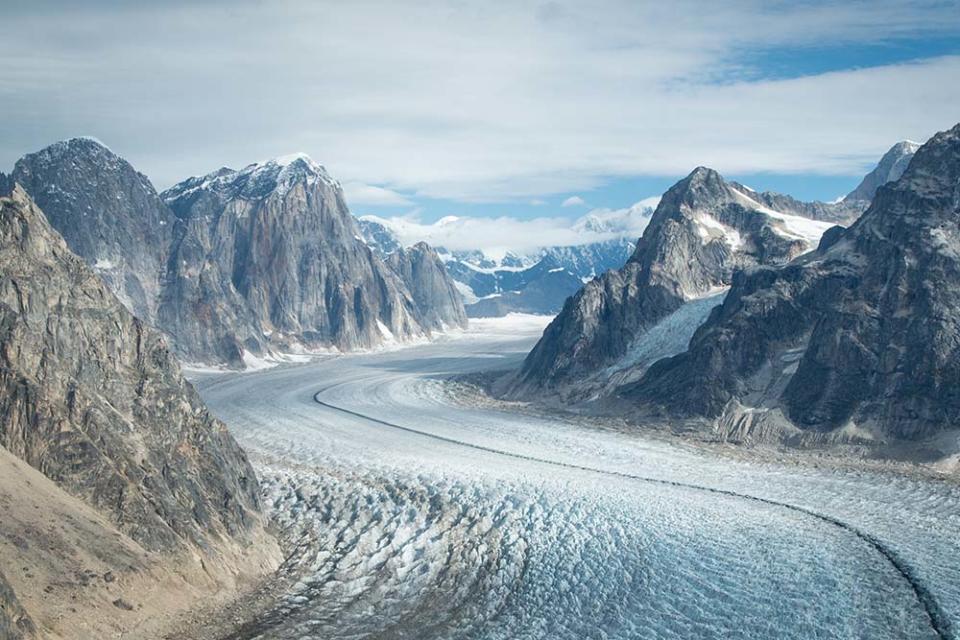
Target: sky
499,109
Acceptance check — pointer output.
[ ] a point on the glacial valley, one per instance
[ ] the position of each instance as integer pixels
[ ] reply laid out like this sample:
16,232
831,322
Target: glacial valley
408,513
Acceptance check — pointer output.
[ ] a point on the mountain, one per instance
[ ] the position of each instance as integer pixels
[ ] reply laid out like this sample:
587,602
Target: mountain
109,214
538,281
439,305
149,486
891,166
233,266
857,339
269,258
703,230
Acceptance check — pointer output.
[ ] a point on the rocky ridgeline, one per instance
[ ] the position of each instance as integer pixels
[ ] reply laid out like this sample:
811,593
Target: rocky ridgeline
92,398
857,339
269,257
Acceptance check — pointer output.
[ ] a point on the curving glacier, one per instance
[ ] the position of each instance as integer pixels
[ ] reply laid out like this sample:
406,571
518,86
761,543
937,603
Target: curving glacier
415,514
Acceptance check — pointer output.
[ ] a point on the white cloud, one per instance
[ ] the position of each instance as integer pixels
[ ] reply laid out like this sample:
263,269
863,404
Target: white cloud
476,101
497,236
574,201
537,202
358,193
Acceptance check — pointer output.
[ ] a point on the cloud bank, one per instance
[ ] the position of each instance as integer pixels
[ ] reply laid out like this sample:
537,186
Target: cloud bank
499,236
471,101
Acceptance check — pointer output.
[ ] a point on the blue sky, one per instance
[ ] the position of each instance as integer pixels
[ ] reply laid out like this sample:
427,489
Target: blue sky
493,108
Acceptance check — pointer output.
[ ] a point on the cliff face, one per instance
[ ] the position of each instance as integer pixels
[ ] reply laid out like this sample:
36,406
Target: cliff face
438,304
861,334
93,399
269,257
15,622
702,231
237,262
109,214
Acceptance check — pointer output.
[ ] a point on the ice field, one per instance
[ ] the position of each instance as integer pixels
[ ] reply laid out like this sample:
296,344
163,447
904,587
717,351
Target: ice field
417,515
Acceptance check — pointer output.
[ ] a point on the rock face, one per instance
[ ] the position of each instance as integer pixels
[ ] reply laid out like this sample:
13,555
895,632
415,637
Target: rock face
269,257
93,399
15,623
703,230
109,214
861,336
438,303
238,262
892,165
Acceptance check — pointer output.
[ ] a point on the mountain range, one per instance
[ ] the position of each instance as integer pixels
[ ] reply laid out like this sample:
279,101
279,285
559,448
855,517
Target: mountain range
494,282
702,232
237,265
766,324
858,339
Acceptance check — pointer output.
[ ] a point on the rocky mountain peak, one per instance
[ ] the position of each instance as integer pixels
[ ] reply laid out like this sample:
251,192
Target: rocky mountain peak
704,190
109,214
891,166
703,231
255,181
855,340
270,259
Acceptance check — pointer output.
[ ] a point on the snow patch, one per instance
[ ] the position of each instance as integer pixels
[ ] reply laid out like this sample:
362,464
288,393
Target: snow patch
468,295
792,227
709,228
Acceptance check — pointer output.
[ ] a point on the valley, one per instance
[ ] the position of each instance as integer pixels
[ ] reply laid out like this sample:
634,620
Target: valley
411,514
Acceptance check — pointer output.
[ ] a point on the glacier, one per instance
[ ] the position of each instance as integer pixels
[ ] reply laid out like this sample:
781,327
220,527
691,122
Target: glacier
415,510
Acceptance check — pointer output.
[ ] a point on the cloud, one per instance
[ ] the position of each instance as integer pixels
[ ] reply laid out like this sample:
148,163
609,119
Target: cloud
473,101
358,193
574,201
497,236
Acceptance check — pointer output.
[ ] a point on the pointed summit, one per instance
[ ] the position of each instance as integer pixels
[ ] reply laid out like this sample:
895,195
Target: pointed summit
891,166
255,181
109,214
867,323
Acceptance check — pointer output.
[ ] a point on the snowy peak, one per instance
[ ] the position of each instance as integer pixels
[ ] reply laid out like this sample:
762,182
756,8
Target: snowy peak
891,166
855,339
79,153
256,181
629,222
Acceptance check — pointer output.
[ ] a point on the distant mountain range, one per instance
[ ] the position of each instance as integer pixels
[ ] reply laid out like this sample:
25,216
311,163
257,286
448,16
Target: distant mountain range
494,283
236,266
